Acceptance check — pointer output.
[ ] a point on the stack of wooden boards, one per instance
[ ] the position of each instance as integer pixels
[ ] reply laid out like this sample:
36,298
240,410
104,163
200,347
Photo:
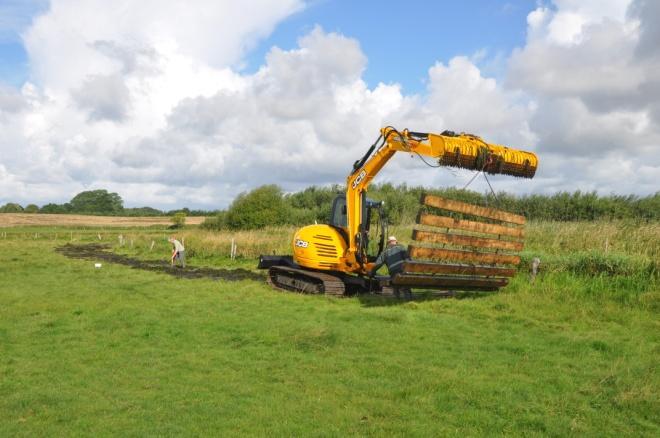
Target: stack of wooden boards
462,247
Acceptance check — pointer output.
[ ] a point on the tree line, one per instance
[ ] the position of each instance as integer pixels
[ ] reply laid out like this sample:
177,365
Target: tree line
97,202
269,205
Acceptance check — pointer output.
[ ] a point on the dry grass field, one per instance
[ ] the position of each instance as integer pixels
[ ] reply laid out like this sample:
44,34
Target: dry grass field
23,219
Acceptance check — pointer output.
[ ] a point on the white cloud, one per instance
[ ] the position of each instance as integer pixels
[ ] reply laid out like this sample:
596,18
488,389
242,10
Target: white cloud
596,93
145,99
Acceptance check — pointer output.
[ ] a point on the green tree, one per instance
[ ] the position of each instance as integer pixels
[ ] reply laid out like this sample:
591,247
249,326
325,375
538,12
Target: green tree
97,201
261,207
11,207
31,208
56,208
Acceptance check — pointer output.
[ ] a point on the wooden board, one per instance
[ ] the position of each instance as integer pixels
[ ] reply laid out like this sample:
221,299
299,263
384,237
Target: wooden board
466,225
458,283
475,210
462,240
464,256
436,268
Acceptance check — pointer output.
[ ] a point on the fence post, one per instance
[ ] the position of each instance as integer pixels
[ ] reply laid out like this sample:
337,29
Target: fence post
232,251
536,264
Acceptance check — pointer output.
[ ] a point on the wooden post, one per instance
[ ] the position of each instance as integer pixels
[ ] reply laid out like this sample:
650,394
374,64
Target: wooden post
152,245
607,245
536,264
99,235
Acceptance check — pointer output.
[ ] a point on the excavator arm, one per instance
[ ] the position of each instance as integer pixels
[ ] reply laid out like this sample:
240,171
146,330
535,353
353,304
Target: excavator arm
465,151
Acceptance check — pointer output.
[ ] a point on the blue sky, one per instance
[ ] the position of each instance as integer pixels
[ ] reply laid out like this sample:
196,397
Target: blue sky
15,16
402,39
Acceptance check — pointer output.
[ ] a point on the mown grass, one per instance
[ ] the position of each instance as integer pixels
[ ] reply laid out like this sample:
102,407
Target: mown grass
118,351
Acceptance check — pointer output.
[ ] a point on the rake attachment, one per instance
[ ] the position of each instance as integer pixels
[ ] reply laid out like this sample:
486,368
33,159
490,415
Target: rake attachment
475,251
471,152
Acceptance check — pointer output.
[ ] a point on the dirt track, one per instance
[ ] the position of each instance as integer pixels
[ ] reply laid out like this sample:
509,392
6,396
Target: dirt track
20,219
99,252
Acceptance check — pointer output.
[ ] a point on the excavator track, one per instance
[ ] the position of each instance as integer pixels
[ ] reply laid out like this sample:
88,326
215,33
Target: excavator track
303,281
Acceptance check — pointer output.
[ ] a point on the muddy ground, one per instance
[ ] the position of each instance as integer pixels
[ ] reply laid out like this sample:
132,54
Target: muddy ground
101,253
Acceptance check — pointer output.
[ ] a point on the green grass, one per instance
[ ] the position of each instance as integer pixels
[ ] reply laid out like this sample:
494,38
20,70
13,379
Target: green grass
117,351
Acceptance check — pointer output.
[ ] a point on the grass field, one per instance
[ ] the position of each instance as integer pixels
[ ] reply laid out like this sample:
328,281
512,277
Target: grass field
121,351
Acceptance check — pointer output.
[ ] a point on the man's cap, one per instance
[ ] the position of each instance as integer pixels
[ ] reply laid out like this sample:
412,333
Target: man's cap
391,238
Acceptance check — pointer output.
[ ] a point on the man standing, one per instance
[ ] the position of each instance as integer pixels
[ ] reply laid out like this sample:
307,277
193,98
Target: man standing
178,252
393,256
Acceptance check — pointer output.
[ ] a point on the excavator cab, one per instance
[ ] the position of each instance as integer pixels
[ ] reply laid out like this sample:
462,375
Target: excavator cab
373,230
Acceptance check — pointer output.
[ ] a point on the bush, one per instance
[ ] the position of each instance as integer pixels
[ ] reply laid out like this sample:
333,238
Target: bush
215,222
31,208
178,220
263,206
56,208
142,211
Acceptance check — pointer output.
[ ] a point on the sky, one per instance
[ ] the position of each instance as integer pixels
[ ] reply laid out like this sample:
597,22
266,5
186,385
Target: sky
174,104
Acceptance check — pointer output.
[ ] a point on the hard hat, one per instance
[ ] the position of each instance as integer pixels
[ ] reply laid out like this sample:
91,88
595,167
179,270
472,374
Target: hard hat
391,238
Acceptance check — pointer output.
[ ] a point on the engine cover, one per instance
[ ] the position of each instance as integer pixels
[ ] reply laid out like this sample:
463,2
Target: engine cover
319,247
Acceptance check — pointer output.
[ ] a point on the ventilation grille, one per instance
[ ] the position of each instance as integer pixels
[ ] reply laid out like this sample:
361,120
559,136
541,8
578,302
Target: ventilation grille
325,250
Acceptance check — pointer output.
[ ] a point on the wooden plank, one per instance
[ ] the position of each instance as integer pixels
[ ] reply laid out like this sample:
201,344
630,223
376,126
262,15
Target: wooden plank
462,207
442,282
462,240
435,268
466,225
464,256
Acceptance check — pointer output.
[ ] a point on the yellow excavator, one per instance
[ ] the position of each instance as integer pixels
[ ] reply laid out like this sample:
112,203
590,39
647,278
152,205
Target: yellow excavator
334,258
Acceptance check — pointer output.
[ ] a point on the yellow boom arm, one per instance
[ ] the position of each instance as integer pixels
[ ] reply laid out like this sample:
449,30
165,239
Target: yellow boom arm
456,150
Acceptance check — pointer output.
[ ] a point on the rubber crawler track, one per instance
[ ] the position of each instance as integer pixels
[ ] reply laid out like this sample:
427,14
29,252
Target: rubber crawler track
302,281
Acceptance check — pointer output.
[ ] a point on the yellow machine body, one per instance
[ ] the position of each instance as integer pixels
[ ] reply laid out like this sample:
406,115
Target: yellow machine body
320,247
